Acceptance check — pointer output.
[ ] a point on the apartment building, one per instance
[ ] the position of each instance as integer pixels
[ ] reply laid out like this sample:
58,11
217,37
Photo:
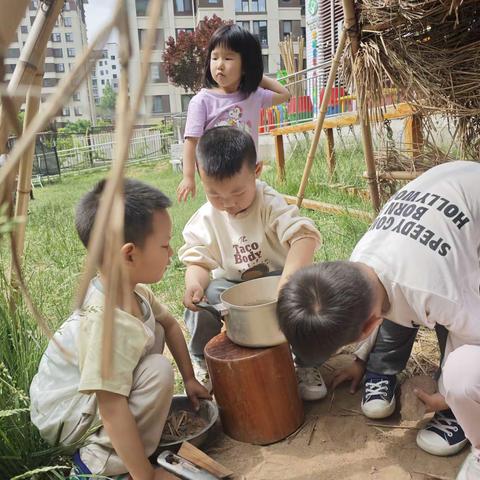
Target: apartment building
106,71
68,40
271,20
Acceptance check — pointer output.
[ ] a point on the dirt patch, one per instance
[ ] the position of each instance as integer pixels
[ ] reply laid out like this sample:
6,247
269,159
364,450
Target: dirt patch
344,445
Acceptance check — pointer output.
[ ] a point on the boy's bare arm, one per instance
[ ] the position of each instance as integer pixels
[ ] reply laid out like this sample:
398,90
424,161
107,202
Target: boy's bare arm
187,185
124,435
281,94
178,348
197,279
300,255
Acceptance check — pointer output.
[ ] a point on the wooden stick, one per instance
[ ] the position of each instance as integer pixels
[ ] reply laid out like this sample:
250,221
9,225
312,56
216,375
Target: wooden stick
330,208
397,175
312,431
351,27
392,426
321,117
24,184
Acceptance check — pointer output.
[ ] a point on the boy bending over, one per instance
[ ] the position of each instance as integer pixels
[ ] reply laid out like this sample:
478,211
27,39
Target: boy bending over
68,395
418,264
244,225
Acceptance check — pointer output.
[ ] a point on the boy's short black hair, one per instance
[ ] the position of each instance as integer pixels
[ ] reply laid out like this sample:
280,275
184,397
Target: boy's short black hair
323,307
222,152
239,40
141,202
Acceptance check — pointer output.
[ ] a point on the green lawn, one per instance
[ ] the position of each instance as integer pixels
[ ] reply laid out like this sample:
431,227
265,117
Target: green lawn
53,261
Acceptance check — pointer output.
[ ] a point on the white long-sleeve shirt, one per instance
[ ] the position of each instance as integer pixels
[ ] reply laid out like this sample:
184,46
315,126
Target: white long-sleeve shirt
424,247
229,245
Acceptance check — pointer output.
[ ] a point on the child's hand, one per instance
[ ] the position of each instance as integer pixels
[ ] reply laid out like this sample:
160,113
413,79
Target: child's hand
195,390
193,294
186,186
434,402
354,372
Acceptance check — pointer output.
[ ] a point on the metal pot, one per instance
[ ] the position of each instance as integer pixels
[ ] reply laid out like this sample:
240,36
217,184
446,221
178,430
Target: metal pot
249,312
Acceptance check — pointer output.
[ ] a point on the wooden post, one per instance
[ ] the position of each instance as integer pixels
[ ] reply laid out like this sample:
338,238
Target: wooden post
413,135
351,26
24,184
280,157
330,152
321,117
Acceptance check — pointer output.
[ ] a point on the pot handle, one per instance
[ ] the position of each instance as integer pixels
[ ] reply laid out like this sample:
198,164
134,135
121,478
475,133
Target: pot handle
217,309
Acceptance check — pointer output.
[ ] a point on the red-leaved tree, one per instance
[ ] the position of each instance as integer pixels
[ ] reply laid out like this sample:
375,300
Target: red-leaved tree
184,58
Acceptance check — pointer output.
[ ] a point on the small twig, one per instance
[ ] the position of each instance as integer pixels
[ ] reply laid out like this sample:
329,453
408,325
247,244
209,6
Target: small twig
312,431
431,475
392,426
332,398
352,410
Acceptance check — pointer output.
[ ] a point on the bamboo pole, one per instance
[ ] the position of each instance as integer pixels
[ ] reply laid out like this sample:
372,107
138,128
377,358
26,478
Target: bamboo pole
323,112
351,26
29,62
24,183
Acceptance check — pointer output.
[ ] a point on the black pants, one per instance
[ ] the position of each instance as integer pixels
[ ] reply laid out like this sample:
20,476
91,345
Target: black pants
393,346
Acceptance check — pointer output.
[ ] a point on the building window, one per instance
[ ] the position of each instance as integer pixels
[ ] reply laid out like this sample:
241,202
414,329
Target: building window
67,21
13,53
112,57
286,28
70,52
250,6
182,6
101,72
115,85
265,63
185,99
159,40
78,111
141,7
56,37
50,82
32,19
103,82
184,30
260,30
59,67
94,82
114,67
100,63
244,24
160,104
104,54
157,73
65,111
9,68
76,97
69,37
114,75
57,53
24,29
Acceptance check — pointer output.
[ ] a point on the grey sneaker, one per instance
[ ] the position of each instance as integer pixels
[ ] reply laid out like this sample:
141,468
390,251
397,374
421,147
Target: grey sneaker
201,373
310,383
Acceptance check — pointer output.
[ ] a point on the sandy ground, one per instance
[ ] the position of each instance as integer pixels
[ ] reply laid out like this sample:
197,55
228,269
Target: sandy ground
342,446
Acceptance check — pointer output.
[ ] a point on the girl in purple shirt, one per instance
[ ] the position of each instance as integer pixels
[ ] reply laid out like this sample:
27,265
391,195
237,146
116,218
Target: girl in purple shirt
236,90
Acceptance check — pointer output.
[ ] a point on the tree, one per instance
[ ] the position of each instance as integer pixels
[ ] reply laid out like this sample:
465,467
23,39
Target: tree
106,107
184,58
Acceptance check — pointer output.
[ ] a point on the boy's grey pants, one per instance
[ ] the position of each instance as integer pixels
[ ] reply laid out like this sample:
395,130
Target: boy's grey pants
393,346
203,325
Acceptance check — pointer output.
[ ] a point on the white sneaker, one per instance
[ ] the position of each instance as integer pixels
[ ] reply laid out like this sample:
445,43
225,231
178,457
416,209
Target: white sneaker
442,435
201,373
310,383
470,469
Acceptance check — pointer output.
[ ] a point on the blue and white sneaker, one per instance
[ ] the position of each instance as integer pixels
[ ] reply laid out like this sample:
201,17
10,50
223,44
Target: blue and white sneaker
379,396
442,435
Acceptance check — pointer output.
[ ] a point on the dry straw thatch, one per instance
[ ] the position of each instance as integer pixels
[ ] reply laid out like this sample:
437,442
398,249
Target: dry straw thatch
430,51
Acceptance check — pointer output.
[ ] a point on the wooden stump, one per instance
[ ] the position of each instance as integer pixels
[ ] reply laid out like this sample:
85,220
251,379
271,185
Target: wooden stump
256,390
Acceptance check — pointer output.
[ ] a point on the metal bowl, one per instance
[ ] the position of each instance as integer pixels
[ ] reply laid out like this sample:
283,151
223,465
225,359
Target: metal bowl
208,411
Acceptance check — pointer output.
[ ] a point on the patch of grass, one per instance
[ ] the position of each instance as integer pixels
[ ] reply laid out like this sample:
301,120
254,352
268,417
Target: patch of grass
53,261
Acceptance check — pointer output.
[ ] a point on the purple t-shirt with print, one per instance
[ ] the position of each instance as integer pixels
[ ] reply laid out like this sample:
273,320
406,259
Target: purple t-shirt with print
208,109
